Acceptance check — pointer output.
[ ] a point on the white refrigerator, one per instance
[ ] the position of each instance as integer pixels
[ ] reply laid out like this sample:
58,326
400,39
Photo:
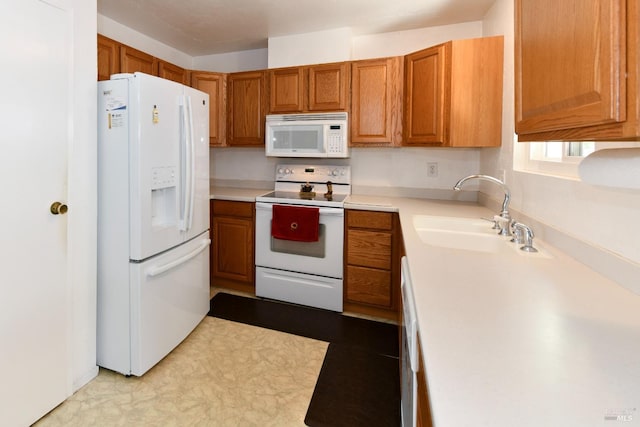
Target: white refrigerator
153,219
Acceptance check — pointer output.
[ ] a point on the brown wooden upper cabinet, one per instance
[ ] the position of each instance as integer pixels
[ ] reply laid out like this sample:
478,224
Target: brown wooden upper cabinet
453,94
168,71
132,60
576,70
288,90
246,108
115,57
323,87
376,102
215,84
108,57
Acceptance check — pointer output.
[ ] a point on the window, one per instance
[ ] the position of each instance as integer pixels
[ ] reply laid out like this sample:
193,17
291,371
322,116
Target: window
558,158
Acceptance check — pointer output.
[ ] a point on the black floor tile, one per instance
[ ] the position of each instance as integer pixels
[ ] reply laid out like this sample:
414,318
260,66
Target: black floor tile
355,388
308,322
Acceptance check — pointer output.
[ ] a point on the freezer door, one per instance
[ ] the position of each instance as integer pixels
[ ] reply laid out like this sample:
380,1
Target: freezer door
169,297
196,200
155,192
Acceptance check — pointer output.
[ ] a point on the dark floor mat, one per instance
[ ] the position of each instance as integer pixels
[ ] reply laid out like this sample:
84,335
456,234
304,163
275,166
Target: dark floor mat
355,388
376,337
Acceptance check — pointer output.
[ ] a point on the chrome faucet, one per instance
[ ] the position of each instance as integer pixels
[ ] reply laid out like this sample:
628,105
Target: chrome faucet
503,218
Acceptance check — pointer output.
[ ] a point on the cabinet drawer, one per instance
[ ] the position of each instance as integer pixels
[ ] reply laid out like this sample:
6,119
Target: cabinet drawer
369,249
369,286
368,219
229,208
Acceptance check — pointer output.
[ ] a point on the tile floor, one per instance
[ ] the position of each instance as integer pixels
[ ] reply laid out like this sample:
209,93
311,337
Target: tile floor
224,374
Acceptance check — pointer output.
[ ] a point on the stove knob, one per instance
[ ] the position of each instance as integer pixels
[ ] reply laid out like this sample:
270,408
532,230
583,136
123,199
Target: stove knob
280,171
335,172
287,171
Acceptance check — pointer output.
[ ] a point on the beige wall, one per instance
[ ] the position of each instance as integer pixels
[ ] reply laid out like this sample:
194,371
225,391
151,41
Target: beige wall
112,29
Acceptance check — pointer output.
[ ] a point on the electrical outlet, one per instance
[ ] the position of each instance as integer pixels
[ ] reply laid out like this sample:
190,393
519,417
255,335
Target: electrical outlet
432,169
502,175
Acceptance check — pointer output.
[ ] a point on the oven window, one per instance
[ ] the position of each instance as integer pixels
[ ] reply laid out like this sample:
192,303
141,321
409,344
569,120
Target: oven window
312,249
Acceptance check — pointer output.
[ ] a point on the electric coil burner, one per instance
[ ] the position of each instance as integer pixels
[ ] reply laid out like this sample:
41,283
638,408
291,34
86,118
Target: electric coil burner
299,235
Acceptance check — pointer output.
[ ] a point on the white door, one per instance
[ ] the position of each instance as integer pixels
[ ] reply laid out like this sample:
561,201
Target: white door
34,292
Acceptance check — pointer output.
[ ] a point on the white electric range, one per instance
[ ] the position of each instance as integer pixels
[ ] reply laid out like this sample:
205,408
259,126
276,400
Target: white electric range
304,272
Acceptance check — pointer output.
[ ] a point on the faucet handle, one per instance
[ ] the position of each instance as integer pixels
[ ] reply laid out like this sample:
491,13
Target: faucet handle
504,224
517,232
496,225
528,236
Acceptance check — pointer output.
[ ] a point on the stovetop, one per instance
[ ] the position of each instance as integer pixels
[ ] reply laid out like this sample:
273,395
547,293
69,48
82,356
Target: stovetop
298,198
323,179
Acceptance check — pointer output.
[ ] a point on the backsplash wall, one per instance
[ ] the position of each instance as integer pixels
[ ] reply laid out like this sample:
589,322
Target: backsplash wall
372,169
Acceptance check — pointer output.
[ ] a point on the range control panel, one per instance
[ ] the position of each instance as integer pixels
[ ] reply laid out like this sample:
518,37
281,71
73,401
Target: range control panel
338,174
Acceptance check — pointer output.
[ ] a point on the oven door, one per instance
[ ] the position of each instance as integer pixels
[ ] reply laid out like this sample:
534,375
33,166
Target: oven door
322,258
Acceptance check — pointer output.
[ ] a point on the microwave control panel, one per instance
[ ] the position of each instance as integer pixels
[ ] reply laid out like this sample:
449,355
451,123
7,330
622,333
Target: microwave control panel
336,138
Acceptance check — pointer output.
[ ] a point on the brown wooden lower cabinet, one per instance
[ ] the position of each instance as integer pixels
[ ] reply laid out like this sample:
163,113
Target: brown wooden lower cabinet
423,417
372,263
232,255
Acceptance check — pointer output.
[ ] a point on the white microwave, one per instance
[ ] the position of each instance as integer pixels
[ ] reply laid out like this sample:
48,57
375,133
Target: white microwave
307,135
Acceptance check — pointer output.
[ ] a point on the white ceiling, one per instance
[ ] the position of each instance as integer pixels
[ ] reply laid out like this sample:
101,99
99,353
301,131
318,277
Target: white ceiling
204,27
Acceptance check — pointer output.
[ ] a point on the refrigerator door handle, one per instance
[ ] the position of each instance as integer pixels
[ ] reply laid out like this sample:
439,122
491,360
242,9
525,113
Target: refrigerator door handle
156,270
187,164
191,163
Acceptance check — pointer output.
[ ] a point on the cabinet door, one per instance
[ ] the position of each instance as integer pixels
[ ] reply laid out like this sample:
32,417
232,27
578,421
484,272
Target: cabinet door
215,85
246,108
132,60
376,102
369,249
108,57
287,89
474,104
372,273
232,249
369,286
168,71
329,87
426,87
570,64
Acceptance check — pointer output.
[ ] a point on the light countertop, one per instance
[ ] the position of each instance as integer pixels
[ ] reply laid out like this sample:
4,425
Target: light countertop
520,340
516,339
236,194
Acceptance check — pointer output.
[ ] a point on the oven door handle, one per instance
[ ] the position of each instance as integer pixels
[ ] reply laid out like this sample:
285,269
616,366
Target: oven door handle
323,211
